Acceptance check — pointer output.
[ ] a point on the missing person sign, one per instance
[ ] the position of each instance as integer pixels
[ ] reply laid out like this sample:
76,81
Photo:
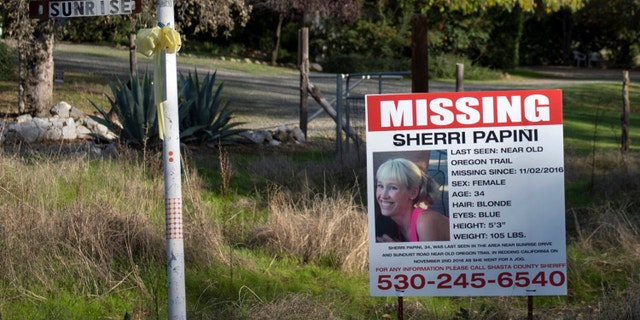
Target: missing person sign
466,194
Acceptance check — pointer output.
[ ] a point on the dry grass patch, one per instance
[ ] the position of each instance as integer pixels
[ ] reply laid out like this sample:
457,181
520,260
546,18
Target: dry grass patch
59,229
294,306
316,226
607,173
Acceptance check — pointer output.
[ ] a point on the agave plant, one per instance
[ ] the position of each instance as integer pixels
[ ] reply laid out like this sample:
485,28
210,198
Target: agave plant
134,106
204,117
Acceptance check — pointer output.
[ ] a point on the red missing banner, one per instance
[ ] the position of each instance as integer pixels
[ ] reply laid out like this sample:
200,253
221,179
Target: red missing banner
396,112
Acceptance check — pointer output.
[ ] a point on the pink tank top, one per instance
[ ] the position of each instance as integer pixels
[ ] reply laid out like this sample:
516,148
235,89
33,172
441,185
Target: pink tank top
414,221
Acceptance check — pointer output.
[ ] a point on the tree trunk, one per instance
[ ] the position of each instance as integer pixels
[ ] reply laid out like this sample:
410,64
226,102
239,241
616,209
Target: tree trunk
276,48
519,12
39,72
567,35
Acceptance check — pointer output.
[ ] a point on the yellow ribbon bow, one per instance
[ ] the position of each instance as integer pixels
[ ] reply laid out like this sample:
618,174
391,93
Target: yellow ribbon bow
151,42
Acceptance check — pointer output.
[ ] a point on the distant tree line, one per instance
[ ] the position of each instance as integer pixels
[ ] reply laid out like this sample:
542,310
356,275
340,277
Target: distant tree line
376,33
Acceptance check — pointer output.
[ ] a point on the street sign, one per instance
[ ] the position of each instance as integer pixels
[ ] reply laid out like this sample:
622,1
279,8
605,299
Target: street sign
46,9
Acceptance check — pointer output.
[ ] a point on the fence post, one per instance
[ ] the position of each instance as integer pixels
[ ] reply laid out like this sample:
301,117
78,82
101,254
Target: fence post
339,116
459,77
303,64
626,109
133,59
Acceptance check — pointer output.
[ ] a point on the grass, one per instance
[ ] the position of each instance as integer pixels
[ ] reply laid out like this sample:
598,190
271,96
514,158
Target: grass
278,233
593,116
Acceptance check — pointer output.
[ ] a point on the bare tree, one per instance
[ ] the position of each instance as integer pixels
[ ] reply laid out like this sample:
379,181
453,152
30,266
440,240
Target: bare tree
302,10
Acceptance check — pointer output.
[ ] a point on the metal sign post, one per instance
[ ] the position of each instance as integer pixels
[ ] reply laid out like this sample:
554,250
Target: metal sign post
172,173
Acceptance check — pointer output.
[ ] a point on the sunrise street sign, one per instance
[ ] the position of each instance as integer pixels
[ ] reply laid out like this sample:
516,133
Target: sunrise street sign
46,9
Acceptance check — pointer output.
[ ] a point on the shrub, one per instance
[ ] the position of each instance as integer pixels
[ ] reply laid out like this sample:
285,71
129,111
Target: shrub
443,66
343,63
351,63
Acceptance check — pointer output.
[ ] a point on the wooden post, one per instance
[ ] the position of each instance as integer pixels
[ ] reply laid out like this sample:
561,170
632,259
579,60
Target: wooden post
626,109
133,59
459,77
419,54
419,77
339,116
303,56
400,308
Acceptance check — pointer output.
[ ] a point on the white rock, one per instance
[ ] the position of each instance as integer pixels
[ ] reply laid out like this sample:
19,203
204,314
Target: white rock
298,134
52,134
83,132
69,131
76,113
23,118
61,109
29,131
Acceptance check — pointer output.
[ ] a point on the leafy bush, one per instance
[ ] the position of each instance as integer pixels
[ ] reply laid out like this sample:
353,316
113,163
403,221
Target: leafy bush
350,63
344,63
203,115
7,62
444,67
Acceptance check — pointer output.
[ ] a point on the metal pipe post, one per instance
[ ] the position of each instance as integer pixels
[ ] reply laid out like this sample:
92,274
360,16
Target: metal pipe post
172,174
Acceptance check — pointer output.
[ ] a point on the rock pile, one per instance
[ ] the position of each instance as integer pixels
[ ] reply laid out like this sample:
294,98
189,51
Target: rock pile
281,134
66,123
69,123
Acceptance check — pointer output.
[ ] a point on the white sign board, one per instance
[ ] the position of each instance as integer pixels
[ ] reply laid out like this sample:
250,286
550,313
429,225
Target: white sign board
82,8
498,159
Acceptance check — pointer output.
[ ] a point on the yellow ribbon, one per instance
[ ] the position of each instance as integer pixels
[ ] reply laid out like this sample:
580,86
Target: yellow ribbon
151,42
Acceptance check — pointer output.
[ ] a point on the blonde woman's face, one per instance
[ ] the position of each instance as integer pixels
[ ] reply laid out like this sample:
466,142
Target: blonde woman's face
394,197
